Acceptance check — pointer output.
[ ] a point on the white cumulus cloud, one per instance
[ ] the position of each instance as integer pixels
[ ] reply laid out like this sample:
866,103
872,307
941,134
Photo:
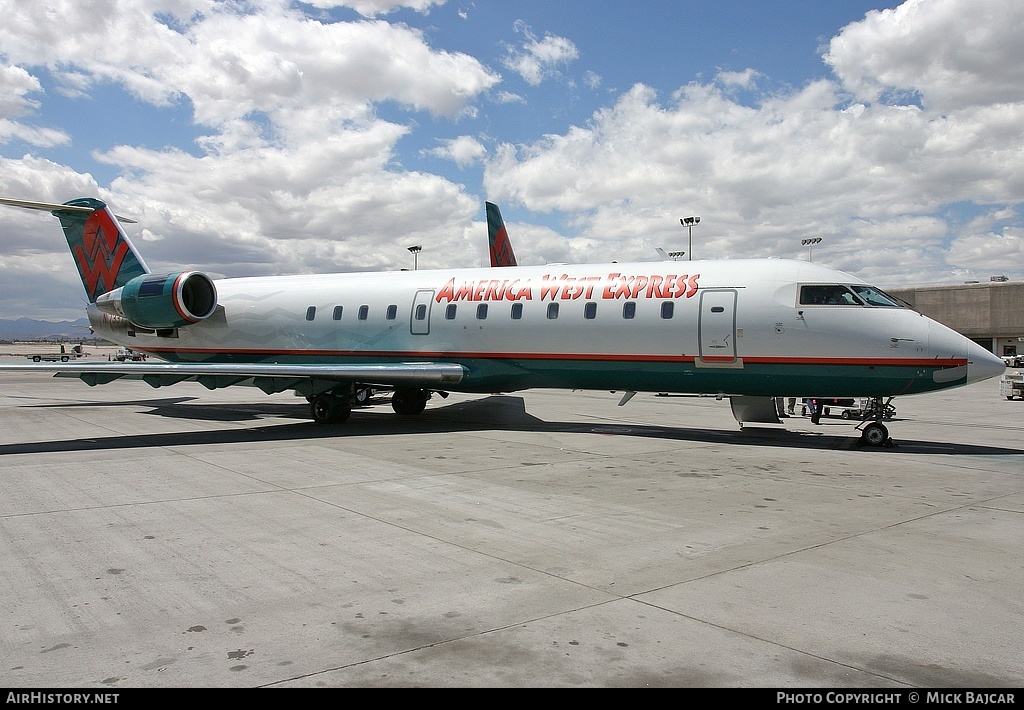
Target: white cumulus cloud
951,53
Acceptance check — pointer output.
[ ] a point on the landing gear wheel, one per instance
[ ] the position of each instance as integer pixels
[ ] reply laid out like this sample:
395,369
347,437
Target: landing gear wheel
875,434
363,395
329,410
409,401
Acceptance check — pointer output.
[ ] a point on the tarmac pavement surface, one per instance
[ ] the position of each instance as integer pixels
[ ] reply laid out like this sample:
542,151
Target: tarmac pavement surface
180,537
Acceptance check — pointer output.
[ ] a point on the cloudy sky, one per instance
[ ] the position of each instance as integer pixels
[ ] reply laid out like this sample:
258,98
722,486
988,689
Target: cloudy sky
267,136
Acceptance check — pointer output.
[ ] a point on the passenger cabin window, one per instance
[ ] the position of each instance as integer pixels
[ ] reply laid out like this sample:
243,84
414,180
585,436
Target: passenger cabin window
629,310
421,312
364,312
828,295
590,310
311,313
337,312
392,312
449,312
552,311
517,311
667,309
481,311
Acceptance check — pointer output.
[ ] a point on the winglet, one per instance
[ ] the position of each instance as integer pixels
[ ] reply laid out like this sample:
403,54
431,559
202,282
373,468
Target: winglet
499,246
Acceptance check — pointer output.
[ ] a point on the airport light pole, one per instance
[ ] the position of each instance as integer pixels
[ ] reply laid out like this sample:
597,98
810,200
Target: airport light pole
809,243
674,255
415,256
688,222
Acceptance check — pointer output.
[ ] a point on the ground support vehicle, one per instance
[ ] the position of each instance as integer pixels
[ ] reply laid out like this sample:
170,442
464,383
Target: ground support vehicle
64,355
128,355
1012,385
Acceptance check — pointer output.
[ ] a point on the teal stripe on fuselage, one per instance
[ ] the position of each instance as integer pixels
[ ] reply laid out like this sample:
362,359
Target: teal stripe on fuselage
510,373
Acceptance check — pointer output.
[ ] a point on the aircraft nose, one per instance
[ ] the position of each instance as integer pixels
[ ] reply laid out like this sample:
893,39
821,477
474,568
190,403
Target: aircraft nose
946,342
981,364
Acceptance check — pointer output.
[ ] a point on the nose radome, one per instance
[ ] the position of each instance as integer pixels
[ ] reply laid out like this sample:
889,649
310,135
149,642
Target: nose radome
945,342
981,364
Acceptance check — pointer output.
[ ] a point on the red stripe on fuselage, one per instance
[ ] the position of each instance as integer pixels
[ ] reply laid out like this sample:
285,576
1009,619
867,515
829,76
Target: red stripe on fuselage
583,357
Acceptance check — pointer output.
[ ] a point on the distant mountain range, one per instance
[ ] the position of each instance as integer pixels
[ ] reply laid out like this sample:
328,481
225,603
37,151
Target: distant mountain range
28,329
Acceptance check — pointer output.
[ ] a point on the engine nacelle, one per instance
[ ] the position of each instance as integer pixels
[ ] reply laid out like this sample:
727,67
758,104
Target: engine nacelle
163,300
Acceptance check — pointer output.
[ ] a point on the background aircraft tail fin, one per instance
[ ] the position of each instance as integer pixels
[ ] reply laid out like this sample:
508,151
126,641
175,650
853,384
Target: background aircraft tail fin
105,257
499,246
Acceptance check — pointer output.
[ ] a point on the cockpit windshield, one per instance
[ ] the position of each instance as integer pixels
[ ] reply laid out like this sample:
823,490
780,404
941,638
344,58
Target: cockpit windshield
845,295
828,295
873,297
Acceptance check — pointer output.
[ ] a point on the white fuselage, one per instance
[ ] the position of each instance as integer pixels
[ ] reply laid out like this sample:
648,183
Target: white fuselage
729,327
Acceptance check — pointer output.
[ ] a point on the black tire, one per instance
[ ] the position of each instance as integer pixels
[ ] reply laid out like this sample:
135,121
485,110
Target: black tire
36,358
846,414
329,410
409,401
363,395
64,358
875,434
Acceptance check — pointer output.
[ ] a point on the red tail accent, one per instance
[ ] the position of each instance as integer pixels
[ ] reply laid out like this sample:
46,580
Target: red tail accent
100,259
501,251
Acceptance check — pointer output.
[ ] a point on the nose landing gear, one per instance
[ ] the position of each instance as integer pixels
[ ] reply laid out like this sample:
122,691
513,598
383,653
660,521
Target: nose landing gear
875,433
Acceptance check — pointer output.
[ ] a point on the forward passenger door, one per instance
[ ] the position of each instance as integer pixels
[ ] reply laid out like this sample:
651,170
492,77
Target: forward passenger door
717,326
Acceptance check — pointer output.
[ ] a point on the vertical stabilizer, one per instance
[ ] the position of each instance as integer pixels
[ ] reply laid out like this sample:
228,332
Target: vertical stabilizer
103,254
499,246
105,257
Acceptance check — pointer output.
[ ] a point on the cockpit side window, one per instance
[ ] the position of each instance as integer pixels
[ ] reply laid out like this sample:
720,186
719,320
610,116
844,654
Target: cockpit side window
873,297
828,295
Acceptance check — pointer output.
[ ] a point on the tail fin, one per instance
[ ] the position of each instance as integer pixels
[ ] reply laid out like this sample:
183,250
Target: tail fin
499,246
105,257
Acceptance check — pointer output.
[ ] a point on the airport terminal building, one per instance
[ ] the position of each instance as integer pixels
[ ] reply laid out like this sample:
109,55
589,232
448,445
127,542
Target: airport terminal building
990,313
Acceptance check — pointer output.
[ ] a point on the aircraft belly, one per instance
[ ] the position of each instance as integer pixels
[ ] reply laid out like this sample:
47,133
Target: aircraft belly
767,379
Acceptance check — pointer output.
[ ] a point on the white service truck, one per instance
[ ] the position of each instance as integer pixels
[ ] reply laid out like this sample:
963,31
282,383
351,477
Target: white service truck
63,356
1012,385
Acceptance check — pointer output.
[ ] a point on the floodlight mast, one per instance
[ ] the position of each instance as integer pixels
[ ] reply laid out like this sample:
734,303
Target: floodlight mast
809,243
416,249
688,222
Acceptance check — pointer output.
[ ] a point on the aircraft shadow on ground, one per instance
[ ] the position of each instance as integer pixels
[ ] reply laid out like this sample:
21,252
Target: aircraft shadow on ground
290,422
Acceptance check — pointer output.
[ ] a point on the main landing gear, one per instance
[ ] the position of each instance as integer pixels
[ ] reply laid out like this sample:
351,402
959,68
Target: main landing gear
335,407
407,401
330,408
875,433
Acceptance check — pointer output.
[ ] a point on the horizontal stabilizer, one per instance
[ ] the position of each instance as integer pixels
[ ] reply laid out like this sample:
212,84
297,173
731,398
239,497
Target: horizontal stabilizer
54,207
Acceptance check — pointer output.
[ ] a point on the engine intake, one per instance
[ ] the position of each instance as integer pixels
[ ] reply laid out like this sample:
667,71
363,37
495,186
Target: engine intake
163,300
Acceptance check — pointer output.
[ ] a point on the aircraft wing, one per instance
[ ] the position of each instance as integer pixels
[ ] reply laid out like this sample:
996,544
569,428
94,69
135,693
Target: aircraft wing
308,380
